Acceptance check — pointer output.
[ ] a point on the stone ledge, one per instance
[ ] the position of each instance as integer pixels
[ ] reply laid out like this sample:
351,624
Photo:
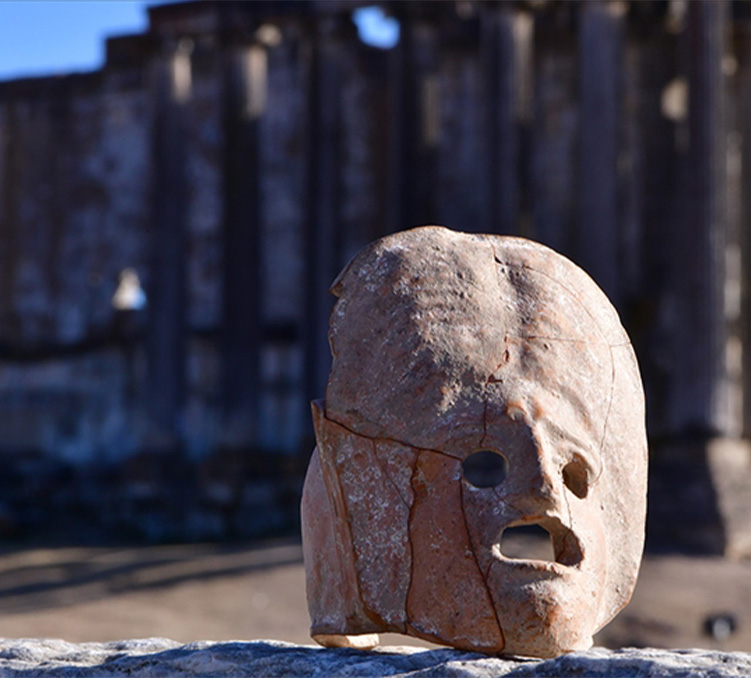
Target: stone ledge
270,659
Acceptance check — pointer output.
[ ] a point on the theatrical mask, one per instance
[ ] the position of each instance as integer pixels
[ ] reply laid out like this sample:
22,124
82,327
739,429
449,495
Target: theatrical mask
449,347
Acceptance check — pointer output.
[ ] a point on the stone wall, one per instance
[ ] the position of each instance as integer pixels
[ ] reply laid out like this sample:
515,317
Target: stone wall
236,155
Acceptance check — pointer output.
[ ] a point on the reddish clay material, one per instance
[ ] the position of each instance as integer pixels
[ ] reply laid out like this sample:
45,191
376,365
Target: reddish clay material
446,344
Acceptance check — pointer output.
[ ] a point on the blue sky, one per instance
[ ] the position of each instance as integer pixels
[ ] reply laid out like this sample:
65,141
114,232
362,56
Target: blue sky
42,37
45,37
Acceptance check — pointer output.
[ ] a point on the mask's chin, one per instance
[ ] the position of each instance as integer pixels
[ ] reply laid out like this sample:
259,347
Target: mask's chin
546,608
543,611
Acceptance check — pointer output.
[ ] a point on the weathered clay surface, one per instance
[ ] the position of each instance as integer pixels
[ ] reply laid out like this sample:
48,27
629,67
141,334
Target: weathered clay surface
448,598
272,659
445,344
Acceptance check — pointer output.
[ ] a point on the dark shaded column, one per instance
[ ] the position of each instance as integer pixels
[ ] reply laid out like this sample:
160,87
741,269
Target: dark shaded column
600,65
554,131
653,178
322,228
505,57
167,294
244,92
700,395
704,471
60,172
414,121
743,40
10,224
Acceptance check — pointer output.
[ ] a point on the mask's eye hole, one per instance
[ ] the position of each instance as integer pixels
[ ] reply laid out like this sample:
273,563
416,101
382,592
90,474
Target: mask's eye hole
485,468
576,477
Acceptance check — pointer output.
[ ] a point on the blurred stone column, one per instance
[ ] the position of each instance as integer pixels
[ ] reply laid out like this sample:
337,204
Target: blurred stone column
701,481
743,116
322,237
244,103
554,130
10,221
414,116
166,343
506,54
701,389
597,229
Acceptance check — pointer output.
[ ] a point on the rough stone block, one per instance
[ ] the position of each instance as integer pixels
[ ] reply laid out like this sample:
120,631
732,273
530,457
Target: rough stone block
273,659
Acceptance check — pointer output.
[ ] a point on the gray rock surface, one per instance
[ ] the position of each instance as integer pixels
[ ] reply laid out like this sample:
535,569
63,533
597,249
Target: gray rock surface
156,657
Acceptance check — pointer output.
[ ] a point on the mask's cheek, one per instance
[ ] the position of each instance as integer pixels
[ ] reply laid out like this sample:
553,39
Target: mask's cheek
487,515
448,599
330,583
368,481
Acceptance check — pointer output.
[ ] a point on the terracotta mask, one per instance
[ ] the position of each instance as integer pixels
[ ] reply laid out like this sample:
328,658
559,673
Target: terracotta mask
446,347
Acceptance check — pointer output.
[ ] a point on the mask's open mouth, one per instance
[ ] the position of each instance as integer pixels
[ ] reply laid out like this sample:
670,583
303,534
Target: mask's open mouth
550,542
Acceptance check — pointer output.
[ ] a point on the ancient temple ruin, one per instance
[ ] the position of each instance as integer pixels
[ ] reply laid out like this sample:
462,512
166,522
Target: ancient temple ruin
236,155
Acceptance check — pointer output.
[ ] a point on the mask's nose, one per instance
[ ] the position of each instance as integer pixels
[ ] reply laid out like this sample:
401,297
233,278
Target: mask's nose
544,485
